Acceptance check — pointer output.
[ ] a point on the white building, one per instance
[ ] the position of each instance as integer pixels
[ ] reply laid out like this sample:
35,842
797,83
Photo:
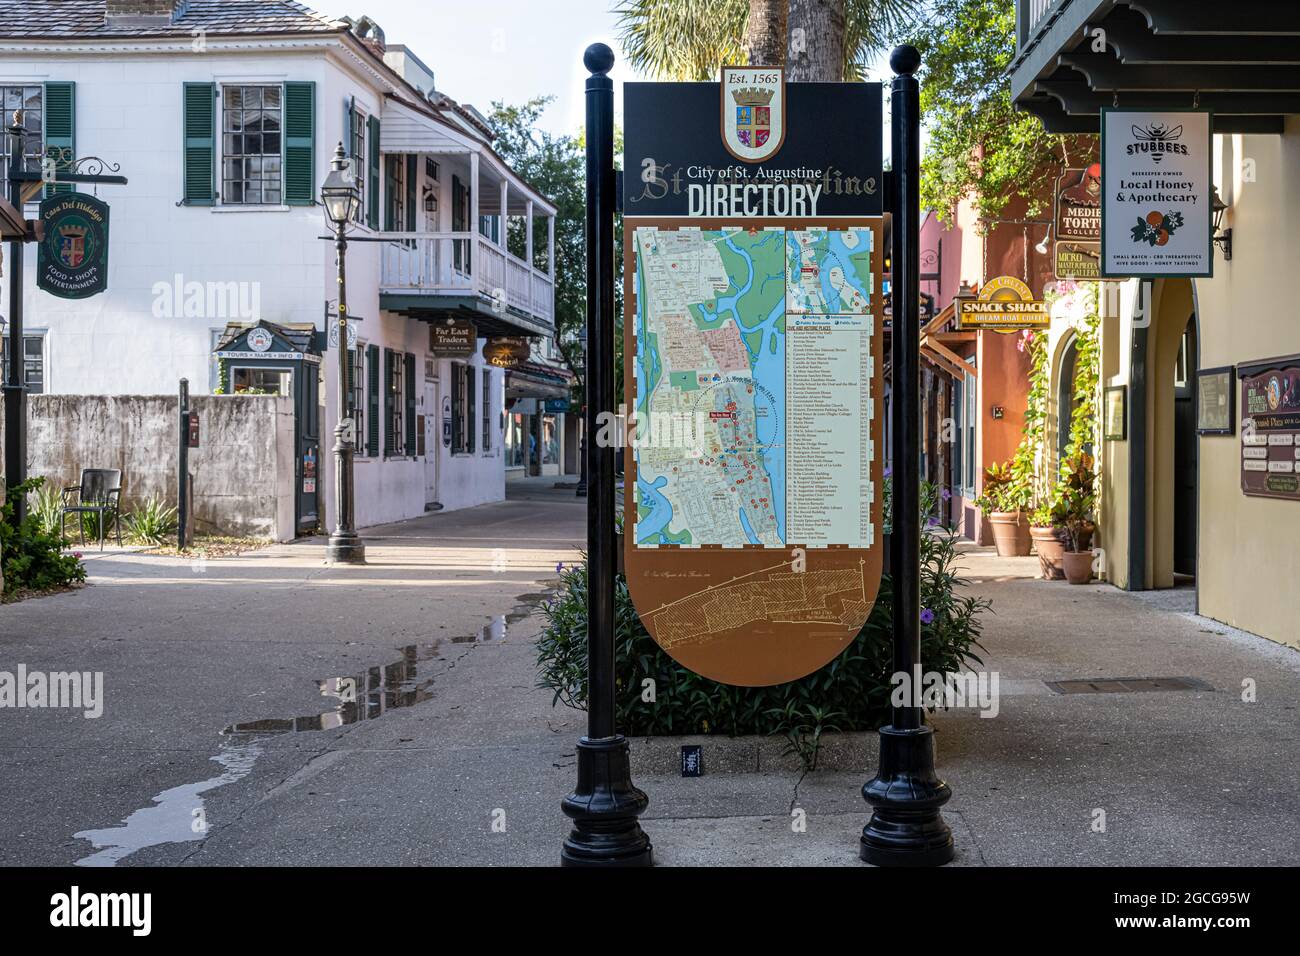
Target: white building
224,116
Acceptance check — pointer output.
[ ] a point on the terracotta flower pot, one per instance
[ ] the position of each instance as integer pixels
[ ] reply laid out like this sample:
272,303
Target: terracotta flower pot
1010,533
1049,548
1078,566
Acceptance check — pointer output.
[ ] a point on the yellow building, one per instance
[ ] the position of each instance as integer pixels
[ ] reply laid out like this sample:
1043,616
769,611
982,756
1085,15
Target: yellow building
1172,508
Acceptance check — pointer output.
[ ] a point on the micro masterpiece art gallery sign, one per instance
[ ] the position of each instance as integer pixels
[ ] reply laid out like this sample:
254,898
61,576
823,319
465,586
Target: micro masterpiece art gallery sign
72,259
1157,193
753,311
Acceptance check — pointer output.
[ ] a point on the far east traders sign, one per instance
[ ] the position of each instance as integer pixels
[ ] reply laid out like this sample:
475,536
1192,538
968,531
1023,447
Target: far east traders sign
753,312
1157,193
72,259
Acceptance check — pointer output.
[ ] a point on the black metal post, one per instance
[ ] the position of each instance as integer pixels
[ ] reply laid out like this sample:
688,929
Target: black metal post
15,386
906,827
344,546
605,806
581,492
183,466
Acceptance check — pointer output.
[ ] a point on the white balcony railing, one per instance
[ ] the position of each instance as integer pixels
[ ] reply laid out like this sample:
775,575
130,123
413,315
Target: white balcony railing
464,263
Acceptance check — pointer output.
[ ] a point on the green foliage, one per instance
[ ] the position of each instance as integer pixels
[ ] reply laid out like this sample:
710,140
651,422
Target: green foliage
979,145
850,693
46,509
152,522
694,39
1004,489
33,559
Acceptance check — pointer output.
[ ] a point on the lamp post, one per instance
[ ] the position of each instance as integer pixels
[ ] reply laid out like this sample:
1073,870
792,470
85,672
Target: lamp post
15,383
342,201
906,796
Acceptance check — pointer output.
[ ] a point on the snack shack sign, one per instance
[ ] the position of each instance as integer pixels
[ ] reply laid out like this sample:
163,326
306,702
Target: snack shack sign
72,259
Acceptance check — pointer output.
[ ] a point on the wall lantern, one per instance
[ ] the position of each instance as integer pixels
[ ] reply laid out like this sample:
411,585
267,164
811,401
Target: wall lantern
430,200
1222,237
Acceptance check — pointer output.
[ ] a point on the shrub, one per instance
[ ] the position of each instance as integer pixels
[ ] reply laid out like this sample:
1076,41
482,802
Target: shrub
151,522
33,559
850,693
46,507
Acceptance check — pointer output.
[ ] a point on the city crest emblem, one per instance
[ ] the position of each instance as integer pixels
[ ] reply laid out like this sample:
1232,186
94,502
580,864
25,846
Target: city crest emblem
753,111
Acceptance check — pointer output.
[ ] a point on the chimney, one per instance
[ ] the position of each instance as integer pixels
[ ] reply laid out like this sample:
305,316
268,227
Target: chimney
142,12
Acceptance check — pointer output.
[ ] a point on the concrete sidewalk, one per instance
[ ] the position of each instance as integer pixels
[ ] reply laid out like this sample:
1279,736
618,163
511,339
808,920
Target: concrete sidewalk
464,761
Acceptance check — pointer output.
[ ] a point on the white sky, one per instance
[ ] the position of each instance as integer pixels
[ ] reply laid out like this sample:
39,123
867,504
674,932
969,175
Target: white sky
511,50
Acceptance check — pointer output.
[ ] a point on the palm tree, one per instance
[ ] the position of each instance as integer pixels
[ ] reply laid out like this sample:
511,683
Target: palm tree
825,39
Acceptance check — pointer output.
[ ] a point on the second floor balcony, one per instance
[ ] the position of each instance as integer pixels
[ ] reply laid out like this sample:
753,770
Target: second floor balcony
463,235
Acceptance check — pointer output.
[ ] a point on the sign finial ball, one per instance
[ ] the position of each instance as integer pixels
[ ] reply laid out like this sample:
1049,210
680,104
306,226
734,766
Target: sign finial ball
598,59
905,60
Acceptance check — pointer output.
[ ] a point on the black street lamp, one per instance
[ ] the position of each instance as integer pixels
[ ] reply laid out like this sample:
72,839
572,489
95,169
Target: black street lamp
15,383
342,202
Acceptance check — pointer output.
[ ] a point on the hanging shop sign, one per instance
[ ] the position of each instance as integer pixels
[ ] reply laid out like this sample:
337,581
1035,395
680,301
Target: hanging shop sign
752,314
506,351
1077,247
453,338
1270,428
1157,193
1004,304
72,259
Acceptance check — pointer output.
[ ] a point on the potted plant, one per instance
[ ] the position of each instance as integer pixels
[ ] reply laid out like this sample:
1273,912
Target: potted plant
1077,507
1047,532
1004,499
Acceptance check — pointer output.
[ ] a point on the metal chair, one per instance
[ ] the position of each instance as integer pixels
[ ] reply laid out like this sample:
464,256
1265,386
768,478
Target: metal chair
100,494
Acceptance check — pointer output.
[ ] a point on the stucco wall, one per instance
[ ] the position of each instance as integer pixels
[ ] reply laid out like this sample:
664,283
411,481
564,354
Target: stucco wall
242,471
1248,564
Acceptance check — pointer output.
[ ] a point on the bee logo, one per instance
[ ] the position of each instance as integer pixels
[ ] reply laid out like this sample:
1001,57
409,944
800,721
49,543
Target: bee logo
1157,139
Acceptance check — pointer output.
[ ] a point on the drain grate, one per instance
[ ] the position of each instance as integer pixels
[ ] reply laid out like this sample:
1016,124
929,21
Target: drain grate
1126,685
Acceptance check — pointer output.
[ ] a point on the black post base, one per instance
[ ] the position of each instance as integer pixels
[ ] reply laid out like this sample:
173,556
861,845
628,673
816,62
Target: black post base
906,827
604,809
345,549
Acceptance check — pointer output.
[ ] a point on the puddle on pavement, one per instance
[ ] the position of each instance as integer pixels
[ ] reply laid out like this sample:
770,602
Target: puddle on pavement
175,814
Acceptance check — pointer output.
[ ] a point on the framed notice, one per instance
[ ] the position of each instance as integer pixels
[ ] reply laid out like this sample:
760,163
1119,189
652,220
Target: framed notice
1157,192
1216,401
1270,428
1115,411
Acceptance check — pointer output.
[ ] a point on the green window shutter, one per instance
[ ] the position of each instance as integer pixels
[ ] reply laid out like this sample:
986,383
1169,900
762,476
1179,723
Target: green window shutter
372,400
200,106
372,195
389,188
300,143
411,444
389,438
60,102
470,425
412,174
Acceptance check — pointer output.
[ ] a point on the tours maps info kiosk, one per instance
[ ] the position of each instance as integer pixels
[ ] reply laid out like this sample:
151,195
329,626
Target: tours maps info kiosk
752,315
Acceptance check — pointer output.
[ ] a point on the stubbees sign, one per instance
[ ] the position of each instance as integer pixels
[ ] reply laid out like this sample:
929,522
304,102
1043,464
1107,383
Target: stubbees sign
1005,304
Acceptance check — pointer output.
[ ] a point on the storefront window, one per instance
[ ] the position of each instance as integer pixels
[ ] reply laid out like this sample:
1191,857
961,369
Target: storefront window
260,381
516,441
550,440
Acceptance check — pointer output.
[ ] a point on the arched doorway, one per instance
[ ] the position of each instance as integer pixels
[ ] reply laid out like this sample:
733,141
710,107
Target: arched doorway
1065,399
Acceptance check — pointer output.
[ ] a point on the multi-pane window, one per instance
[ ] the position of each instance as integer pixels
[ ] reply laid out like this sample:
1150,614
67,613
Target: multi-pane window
250,148
33,361
357,389
397,403
397,192
357,151
27,99
463,419
487,410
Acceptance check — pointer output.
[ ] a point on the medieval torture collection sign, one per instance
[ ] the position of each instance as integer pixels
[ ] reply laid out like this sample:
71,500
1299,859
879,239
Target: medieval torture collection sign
753,311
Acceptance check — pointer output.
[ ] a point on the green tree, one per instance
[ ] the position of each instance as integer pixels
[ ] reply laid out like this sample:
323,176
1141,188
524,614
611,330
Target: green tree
824,39
979,144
